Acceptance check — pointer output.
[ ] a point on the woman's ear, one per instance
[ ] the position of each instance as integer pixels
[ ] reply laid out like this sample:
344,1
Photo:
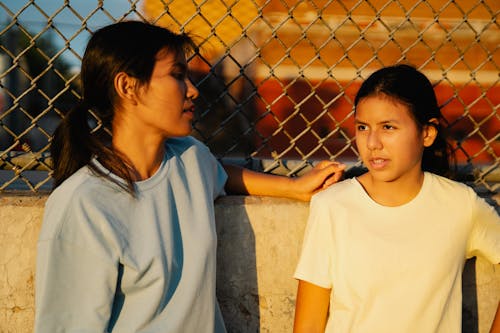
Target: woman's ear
430,132
125,87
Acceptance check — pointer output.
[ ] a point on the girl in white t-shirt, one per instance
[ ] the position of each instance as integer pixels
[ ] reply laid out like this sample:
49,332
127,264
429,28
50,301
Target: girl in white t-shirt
384,252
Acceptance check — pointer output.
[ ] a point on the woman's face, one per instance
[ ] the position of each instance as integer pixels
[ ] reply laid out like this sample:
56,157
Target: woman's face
165,104
388,139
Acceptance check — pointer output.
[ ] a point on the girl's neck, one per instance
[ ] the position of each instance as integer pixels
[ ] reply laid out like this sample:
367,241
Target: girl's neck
395,193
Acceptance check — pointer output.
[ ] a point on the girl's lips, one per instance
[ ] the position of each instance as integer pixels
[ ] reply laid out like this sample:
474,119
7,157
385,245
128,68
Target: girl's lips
378,163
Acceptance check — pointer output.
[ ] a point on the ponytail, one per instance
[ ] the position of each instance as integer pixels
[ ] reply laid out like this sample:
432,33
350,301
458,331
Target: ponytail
70,148
75,145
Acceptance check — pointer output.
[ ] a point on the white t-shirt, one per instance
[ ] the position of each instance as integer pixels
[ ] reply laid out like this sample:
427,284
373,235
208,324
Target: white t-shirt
396,269
108,262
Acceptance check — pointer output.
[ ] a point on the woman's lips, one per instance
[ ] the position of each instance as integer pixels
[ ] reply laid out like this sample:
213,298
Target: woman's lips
189,108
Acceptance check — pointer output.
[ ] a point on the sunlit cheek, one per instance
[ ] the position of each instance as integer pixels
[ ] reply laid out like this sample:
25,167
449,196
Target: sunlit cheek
360,143
360,137
160,96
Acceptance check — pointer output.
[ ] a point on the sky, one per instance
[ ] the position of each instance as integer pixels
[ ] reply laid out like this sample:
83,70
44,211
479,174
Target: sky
34,17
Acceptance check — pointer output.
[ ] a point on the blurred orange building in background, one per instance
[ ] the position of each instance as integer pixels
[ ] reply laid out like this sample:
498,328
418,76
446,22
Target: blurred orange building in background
307,59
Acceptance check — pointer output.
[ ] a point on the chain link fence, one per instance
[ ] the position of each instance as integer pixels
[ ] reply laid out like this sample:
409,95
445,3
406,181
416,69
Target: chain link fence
277,78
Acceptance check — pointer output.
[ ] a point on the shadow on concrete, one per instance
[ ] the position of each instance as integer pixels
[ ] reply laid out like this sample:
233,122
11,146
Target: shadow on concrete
470,322
237,289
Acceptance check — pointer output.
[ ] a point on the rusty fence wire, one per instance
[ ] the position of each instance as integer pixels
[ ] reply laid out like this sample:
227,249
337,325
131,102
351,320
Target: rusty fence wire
277,78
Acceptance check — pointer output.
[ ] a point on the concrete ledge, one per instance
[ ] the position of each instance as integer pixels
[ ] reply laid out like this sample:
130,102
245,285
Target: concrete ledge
259,243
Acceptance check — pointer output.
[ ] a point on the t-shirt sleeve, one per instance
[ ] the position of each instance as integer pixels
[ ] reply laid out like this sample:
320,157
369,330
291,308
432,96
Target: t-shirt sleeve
212,170
75,281
315,263
221,178
74,289
484,239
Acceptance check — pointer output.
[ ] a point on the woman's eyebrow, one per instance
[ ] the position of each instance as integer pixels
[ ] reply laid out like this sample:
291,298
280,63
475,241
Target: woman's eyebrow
180,66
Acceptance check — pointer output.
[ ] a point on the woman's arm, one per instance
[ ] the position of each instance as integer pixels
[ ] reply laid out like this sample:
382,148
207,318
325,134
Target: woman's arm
311,308
245,181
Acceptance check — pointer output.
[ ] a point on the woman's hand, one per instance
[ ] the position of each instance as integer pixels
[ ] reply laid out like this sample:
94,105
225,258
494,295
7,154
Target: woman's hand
324,174
245,181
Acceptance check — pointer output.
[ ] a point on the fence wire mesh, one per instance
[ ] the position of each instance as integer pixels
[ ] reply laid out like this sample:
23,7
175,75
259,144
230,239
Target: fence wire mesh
277,78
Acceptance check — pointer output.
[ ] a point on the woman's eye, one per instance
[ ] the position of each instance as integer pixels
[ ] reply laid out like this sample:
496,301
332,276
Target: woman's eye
388,127
179,75
361,127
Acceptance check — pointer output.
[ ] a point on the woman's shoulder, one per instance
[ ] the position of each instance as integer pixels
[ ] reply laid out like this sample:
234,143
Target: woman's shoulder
81,201
184,143
188,148
60,202
82,188
71,186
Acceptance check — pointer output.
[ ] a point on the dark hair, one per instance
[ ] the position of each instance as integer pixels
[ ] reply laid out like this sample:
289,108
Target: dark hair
407,85
130,47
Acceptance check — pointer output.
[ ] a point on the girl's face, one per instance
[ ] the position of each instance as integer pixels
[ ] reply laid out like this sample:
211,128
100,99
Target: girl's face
166,102
388,139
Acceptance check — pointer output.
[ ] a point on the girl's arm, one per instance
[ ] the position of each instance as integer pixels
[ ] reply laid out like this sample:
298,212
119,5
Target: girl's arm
245,181
311,308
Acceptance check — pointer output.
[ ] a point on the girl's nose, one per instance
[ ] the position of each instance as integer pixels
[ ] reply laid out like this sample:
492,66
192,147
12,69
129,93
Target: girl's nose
192,92
373,141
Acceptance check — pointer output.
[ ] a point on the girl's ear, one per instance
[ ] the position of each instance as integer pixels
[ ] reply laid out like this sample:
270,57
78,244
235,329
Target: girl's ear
430,132
125,87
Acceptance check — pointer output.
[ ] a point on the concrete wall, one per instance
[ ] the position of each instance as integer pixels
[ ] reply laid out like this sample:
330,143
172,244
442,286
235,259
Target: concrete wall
259,242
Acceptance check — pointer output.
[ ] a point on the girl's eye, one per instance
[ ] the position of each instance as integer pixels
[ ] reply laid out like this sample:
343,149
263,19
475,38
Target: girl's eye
388,127
361,127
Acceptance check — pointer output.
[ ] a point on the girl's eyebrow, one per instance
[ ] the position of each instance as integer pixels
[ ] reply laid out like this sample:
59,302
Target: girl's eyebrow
392,121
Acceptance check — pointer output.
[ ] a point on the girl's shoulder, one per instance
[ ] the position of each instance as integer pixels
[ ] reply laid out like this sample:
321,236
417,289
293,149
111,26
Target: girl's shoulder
456,195
449,187
348,188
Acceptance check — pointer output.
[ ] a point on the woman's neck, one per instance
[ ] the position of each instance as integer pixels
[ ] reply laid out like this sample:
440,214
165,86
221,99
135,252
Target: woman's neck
143,154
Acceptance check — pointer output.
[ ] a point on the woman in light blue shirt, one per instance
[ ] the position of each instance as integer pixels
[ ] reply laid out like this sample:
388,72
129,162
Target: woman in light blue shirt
128,239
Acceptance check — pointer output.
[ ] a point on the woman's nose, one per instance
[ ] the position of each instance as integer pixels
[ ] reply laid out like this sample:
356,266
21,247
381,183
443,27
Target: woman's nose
192,92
